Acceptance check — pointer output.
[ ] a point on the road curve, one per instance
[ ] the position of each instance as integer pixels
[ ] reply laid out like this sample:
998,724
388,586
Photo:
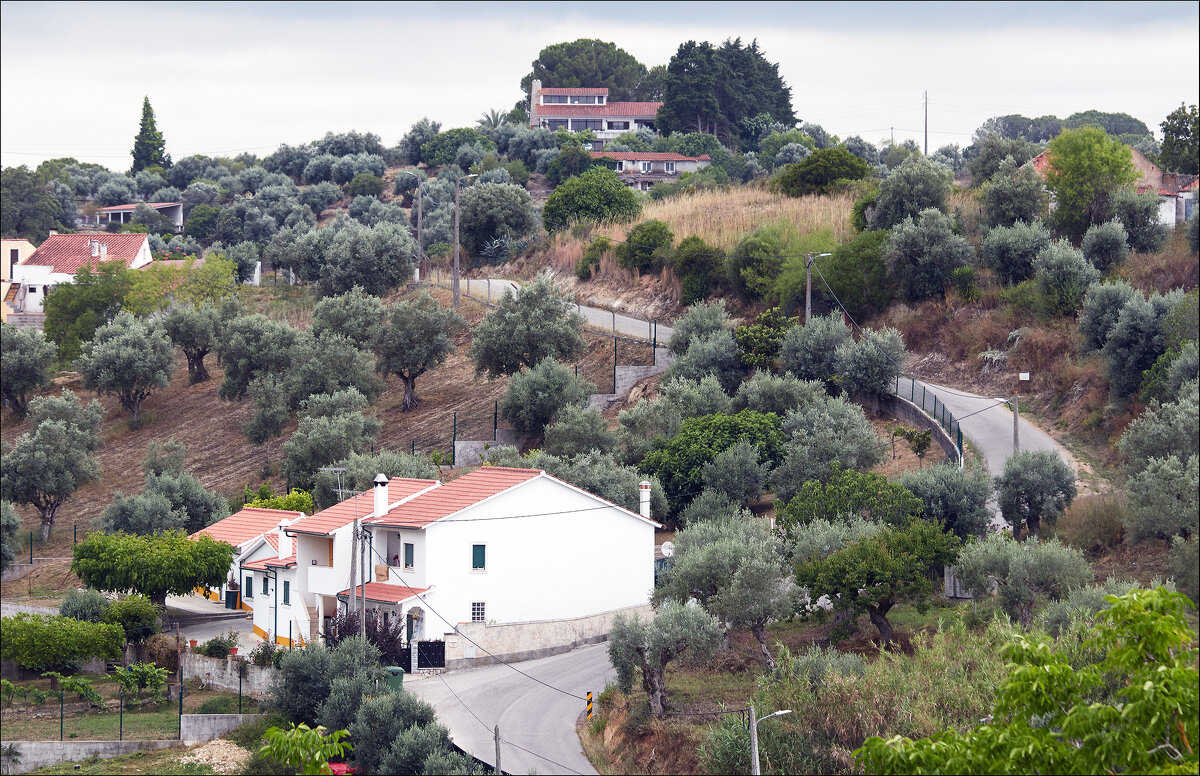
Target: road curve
531,716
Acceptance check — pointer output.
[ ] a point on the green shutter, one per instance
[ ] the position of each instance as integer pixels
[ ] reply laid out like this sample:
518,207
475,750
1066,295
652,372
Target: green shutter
249,586
478,556
408,555
287,593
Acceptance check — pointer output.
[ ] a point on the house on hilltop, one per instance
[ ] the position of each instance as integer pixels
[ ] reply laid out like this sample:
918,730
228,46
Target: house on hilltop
123,214
1177,191
580,108
642,169
507,559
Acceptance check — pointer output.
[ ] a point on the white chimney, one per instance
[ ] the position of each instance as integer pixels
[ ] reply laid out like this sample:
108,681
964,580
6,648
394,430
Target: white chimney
103,251
95,246
283,540
381,495
644,492
52,232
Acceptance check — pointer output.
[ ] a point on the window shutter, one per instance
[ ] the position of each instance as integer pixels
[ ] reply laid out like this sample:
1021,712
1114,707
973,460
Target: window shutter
479,556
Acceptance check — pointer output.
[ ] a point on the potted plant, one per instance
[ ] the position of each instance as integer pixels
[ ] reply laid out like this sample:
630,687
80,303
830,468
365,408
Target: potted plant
233,650
192,643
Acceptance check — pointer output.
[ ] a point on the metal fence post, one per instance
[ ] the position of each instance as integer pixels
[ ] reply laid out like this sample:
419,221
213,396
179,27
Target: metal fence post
181,709
31,548
241,670
61,694
453,437
414,446
922,398
121,721
614,364
496,421
74,534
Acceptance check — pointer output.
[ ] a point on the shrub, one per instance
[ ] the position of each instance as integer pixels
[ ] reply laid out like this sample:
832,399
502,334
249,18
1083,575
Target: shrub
365,184
1009,251
715,355
219,646
818,436
856,275
578,430
1015,193
88,605
597,196
492,211
1063,276
847,496
1102,307
816,173
759,342
737,473
647,247
160,650
871,365
40,641
699,321
443,147
1182,563
1106,245
1036,485
137,615
1165,430
249,735
917,185
922,252
590,260
956,500
1021,571
1138,213
809,351
1164,499
535,397
765,392
1135,342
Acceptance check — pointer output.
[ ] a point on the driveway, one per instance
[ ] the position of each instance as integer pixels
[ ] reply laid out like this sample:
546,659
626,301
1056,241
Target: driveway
537,723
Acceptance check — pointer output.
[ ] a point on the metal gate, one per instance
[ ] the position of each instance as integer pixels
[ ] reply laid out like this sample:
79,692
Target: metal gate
431,654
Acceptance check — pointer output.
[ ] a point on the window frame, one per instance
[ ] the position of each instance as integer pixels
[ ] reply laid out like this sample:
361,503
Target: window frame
265,591
554,99
410,556
478,569
481,608
556,124
248,590
647,167
669,168
287,592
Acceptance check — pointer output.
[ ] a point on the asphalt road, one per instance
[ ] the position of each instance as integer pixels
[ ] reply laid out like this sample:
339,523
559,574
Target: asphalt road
531,716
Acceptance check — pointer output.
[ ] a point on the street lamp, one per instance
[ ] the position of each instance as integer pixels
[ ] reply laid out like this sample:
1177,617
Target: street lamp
454,273
420,245
756,769
808,262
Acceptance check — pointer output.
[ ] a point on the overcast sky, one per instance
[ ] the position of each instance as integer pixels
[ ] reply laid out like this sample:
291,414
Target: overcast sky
226,78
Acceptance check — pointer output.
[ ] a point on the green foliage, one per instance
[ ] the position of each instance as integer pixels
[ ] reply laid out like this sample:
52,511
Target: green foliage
361,470
1021,571
143,676
137,615
380,721
651,419
364,184
303,749
1134,711
992,153
588,62
524,329
917,185
679,462
1102,306
535,397
849,494
167,563
577,429
809,351
635,644
954,499
30,208
1183,566
1164,499
1009,251
1165,430
148,144
253,345
87,605
443,147
1136,341
595,196
1086,167
78,685
1063,276
44,642
27,356
10,525
923,252
1036,485
700,320
759,342
590,260
195,330
570,161
737,473
820,434
331,427
855,275
1138,213
76,309
871,365
220,645
1181,141
1106,245
415,337
879,571
594,471
820,170
780,394
647,247
715,355
1014,194
698,265
354,314
128,359
493,211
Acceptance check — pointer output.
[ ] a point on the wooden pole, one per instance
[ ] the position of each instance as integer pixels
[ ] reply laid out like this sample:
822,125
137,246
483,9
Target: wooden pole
496,737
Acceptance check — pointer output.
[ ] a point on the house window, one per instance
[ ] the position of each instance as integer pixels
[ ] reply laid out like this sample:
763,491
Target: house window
287,593
647,166
555,124
669,167
264,585
478,611
600,100
408,555
479,557
554,99
618,125
249,588
579,99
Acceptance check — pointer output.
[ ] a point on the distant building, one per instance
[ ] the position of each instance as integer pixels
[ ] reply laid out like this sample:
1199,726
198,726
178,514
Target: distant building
58,259
12,253
123,214
642,169
580,108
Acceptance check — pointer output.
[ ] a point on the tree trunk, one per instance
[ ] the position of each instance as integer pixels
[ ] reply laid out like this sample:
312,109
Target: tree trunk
410,401
196,371
1034,524
135,408
880,621
159,598
48,520
656,687
759,629
1025,613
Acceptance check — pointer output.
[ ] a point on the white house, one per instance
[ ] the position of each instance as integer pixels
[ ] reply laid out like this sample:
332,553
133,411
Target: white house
253,532
642,169
60,256
495,547
580,108
123,214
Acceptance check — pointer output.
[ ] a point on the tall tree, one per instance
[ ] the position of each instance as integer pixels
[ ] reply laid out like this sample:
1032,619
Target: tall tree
27,356
155,566
588,62
1086,168
129,359
535,323
29,208
1181,140
148,144
415,338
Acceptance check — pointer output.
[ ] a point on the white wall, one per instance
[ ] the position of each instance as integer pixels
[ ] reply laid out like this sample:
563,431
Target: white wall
540,567
391,541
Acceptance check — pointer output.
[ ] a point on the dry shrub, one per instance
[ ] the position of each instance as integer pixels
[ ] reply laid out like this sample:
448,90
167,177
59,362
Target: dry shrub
1082,392
1039,349
1173,268
1093,524
976,335
160,650
920,326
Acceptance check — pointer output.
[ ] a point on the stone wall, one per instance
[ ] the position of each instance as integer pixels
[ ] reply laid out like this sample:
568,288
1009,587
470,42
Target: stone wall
514,642
903,409
40,754
223,673
197,728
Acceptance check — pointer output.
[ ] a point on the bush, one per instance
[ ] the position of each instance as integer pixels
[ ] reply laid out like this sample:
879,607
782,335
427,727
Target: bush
1138,213
443,147
1164,499
856,275
249,735
917,185
820,435
1094,524
40,641
716,355
219,646
1021,571
956,500
922,252
1106,245
809,351
1102,307
1135,342
535,397
1013,194
699,321
590,260
1063,276
160,650
578,430
596,196
871,365
765,392
1165,430
137,615
1036,485
737,473
1009,251
365,184
87,605
647,247
492,211
759,342
820,170
1184,570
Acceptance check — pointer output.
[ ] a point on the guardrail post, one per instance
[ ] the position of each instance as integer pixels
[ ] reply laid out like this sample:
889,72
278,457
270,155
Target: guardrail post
453,438
496,422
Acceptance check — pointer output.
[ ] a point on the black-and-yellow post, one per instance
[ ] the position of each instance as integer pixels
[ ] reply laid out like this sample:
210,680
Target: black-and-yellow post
589,705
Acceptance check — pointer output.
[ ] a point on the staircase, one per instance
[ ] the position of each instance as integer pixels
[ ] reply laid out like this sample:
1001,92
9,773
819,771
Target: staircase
313,625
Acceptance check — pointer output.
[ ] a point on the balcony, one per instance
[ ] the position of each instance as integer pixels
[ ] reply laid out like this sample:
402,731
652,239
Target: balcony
325,580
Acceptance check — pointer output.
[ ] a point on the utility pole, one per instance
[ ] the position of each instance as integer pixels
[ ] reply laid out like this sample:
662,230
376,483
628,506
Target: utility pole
808,264
420,219
497,740
1016,417
755,768
927,122
354,567
893,136
366,574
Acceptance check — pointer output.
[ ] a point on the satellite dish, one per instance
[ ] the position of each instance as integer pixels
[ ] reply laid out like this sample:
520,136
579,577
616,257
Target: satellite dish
668,549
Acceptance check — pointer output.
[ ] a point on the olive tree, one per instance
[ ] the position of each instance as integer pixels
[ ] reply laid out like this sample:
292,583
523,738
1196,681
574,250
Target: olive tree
809,351
1063,276
577,430
1164,430
923,251
536,323
1036,485
871,365
1164,499
1020,571
737,473
817,436
535,397
634,644
495,210
10,524
252,345
765,392
129,359
27,357
415,337
1015,193
1106,245
1102,306
195,330
700,320
1138,214
715,355
332,427
1009,250
269,394
354,314
918,184
955,499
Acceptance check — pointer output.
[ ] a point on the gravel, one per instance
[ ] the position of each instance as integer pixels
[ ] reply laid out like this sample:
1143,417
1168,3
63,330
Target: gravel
223,756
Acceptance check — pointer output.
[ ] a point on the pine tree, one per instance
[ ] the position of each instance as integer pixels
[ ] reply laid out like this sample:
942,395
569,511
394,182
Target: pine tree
148,145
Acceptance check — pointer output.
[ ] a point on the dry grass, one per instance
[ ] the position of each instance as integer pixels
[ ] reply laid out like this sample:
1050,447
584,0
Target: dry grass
1175,267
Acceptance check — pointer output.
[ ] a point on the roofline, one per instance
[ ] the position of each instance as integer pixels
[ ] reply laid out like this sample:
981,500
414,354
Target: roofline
469,506
614,505
370,515
426,591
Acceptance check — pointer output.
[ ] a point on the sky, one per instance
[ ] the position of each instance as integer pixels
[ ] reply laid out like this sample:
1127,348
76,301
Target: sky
230,77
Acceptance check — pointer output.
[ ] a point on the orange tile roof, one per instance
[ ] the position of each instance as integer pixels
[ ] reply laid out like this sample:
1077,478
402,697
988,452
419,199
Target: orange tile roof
262,564
329,520
68,252
384,593
454,496
247,524
648,156
618,109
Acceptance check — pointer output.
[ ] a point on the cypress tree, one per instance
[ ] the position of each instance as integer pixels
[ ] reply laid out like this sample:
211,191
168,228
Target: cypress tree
148,145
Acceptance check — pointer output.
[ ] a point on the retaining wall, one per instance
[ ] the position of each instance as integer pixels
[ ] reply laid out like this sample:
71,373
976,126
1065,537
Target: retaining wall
223,673
903,409
514,642
198,728
40,754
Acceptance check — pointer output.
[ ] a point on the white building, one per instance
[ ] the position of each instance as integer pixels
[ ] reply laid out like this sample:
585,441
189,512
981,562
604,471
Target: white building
580,108
253,532
60,256
123,214
642,169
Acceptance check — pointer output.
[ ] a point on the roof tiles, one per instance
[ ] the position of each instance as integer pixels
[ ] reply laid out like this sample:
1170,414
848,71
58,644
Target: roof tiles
329,520
587,91
455,496
616,109
68,252
384,593
247,524
648,156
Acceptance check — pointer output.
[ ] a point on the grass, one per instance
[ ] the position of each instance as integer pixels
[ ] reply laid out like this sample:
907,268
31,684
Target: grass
164,761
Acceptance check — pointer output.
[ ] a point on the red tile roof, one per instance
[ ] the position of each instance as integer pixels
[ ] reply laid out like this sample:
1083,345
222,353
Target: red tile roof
247,524
263,564
586,91
455,496
617,109
648,156
384,593
68,252
125,208
329,520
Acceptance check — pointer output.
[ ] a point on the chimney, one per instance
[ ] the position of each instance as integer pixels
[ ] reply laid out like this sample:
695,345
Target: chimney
95,246
381,495
283,540
103,251
534,88
644,492
52,232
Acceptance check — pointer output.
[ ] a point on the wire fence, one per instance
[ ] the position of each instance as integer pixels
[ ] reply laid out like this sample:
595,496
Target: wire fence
935,408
